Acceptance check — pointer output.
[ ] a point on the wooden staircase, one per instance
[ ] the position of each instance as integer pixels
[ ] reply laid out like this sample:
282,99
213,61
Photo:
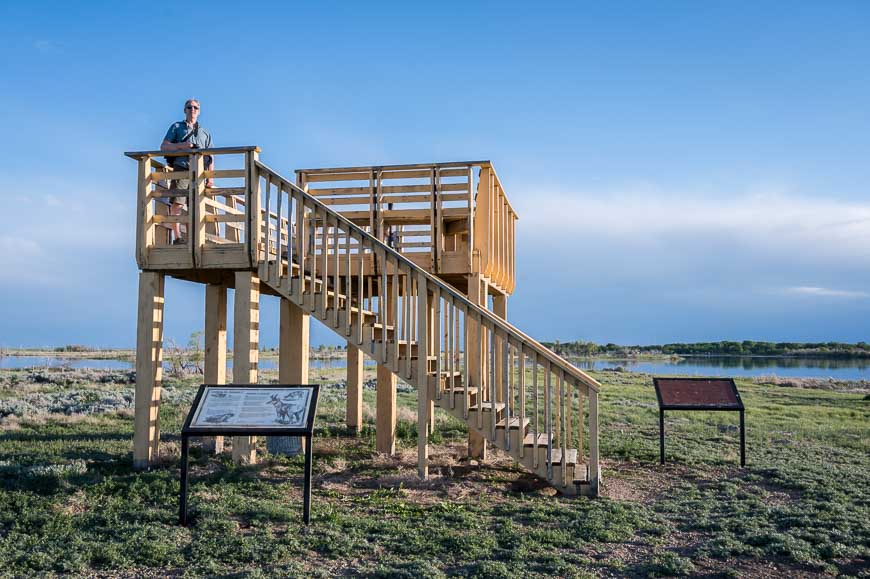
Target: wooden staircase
507,387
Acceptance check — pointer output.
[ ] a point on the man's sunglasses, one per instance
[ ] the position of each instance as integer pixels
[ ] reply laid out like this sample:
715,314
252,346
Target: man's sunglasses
188,107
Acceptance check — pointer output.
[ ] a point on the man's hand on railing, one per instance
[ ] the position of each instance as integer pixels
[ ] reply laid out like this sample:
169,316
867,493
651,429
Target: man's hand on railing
167,146
209,166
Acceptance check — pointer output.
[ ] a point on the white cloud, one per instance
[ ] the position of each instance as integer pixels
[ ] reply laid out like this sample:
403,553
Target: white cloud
57,234
765,223
16,248
826,292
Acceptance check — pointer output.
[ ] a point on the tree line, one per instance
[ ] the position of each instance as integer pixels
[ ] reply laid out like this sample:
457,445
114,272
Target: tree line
723,348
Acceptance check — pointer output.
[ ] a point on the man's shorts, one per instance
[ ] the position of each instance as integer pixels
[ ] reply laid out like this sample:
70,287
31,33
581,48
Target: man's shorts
181,184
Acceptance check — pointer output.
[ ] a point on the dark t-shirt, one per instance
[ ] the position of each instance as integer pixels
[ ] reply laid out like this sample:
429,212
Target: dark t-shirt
181,133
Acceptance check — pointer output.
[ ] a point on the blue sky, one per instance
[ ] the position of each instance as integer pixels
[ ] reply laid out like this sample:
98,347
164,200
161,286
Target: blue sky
683,170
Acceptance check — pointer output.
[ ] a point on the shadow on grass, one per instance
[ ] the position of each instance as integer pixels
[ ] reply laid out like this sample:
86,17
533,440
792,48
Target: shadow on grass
57,437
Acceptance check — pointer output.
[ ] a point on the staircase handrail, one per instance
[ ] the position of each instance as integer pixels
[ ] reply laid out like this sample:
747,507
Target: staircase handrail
492,319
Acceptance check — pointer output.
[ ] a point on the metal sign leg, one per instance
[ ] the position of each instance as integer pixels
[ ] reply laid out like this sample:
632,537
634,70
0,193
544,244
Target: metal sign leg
742,440
306,491
182,503
662,436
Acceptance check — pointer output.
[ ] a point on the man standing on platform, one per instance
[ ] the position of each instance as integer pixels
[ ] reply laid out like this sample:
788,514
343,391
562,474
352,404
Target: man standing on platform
182,136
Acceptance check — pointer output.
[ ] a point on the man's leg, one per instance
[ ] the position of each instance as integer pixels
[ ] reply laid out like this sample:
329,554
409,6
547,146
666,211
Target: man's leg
179,207
176,209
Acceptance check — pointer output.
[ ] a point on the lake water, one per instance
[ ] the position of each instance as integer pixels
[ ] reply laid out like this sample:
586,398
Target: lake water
854,369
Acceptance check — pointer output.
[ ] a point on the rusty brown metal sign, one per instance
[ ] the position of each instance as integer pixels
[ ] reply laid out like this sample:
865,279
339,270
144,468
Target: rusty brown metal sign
698,394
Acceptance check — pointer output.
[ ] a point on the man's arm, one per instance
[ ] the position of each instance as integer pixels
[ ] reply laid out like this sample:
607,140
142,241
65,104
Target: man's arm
168,146
209,162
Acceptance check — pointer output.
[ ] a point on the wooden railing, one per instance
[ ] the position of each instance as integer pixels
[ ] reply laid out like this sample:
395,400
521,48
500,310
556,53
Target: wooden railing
494,232
426,331
216,225
446,217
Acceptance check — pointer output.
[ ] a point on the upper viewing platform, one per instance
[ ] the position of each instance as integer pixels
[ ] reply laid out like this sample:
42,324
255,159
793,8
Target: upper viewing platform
451,219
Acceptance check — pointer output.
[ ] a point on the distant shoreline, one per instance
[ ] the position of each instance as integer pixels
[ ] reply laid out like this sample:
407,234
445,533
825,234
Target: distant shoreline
130,355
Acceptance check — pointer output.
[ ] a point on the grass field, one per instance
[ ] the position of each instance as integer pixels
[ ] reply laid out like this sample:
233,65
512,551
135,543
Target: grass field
70,503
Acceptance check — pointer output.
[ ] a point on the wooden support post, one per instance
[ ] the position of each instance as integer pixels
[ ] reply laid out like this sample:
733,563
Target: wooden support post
386,411
215,370
477,295
149,369
423,402
246,338
293,346
354,388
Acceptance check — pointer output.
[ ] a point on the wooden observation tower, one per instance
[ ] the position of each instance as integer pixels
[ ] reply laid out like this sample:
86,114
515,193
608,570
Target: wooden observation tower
412,265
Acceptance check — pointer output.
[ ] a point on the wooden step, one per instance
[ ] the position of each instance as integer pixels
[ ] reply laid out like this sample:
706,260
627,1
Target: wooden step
529,440
514,423
460,390
487,407
445,380
570,457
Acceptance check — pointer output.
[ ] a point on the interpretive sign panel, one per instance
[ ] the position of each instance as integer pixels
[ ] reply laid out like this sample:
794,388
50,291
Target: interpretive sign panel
718,394
251,410
232,408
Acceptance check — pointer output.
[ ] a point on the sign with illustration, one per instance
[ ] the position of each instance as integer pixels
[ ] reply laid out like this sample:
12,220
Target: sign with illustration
253,407
255,410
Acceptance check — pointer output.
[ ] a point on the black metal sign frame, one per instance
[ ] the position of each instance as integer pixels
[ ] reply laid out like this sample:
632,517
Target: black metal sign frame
724,406
306,432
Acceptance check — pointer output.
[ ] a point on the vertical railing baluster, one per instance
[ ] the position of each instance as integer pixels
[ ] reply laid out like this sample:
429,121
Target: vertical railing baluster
276,274
324,256
548,417
569,411
492,385
406,320
361,293
348,284
336,289
301,237
465,371
291,239
413,312
370,291
537,426
522,385
423,401
380,316
594,475
312,282
268,222
445,333
451,350
580,422
505,376
436,338
394,309
384,298
456,340
479,368
557,432
562,427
